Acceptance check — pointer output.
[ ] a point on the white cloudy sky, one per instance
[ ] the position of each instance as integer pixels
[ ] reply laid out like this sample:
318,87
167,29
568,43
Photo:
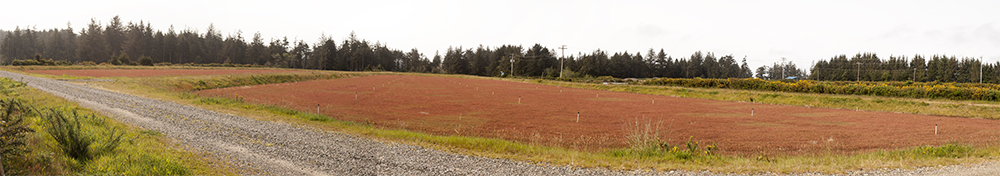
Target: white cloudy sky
763,31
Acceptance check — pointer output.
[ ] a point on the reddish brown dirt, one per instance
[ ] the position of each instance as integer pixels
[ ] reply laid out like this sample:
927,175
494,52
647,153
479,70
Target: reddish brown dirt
547,115
150,72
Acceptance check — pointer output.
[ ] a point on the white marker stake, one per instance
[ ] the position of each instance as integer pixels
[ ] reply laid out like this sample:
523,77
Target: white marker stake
935,129
751,112
598,95
317,109
355,95
518,99
577,117
373,88
654,101
493,92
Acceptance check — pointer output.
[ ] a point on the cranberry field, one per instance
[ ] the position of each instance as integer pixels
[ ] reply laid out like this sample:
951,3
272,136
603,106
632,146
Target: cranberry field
548,115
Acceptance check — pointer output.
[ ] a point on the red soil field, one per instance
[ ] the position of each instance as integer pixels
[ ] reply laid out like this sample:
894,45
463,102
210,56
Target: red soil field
150,72
547,115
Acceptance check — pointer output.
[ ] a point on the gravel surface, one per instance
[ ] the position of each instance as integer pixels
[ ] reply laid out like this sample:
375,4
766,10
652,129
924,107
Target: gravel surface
273,148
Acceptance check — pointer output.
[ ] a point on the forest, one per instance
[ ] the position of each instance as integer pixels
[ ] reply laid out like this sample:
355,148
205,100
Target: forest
132,43
118,42
940,68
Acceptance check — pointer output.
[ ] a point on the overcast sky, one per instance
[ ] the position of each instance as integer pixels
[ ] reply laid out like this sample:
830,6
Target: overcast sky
763,31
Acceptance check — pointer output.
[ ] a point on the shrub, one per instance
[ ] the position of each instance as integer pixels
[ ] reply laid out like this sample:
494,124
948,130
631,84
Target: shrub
39,61
87,63
73,140
145,61
124,59
952,150
13,130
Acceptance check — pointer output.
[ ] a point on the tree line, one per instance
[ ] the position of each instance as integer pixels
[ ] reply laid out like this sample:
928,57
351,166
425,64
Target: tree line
940,68
118,42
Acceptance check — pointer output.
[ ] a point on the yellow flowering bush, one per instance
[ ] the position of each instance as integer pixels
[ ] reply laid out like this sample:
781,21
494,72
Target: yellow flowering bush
955,91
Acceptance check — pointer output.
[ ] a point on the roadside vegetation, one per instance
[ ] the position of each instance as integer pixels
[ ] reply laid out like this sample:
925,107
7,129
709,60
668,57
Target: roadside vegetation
645,150
908,89
46,135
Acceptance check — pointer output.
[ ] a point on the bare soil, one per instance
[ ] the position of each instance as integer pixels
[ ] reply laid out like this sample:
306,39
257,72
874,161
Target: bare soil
547,115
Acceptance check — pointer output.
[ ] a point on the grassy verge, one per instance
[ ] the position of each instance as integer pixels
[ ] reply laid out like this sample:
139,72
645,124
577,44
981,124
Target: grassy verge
67,139
646,153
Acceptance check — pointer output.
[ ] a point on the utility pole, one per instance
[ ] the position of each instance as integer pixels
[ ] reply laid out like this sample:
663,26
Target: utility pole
859,72
980,69
511,66
561,60
782,68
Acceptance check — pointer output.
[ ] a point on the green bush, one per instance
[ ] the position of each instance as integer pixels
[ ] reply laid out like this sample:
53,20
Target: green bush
145,61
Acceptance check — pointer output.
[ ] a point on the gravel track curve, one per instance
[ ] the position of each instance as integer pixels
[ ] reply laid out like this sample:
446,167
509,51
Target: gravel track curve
273,148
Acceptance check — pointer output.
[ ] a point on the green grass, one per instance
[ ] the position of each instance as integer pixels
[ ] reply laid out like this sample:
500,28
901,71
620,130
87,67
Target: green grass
139,152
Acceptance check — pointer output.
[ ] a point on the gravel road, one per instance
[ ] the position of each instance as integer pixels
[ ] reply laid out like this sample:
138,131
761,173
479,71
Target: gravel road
272,148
